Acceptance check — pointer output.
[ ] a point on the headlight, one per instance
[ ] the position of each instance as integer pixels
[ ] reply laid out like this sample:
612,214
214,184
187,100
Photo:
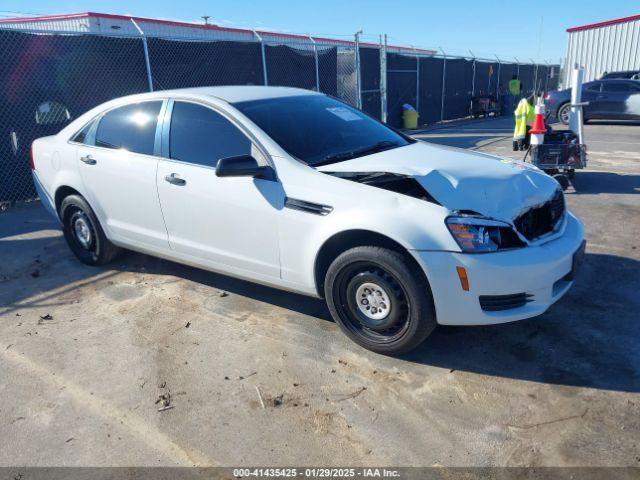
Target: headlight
482,235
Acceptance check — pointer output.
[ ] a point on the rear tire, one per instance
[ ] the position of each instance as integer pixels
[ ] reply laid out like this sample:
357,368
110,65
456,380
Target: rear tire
380,300
83,232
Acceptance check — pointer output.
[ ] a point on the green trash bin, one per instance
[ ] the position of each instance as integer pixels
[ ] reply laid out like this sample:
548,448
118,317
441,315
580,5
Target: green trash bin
410,118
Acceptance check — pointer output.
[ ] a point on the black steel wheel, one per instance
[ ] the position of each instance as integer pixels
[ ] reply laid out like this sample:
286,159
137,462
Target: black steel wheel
380,299
83,232
563,113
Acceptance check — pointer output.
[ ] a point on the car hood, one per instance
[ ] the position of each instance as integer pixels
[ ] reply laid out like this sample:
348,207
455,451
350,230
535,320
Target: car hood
458,179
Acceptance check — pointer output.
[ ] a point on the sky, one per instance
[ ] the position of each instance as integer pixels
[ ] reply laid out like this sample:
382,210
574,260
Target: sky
487,28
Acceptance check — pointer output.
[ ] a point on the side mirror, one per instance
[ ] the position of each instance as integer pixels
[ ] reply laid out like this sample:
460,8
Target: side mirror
243,166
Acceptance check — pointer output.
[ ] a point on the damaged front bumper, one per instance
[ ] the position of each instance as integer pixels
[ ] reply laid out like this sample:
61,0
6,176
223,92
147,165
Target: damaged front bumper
514,285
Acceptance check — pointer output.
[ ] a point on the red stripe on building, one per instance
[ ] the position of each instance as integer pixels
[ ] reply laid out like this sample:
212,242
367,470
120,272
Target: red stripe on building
604,24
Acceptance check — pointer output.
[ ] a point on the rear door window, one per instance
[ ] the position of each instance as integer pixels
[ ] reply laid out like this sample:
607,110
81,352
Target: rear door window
616,87
132,127
201,136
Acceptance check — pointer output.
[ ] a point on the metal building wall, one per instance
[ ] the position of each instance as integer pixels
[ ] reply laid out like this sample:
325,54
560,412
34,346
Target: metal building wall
602,49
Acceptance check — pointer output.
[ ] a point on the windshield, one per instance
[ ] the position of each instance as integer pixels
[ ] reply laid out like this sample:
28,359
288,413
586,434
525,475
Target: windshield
319,130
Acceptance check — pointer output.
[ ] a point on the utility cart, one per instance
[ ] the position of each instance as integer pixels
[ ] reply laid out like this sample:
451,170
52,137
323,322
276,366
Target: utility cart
560,156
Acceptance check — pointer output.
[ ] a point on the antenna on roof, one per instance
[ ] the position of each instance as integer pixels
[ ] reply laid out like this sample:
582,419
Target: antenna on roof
206,19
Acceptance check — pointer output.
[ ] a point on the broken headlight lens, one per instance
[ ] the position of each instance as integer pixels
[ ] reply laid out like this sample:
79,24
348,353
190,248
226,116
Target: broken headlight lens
483,235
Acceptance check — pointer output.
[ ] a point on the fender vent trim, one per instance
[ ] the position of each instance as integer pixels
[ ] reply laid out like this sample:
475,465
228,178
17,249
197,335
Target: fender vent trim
309,207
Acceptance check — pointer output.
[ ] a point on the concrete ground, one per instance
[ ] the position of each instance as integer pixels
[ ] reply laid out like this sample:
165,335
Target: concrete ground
86,352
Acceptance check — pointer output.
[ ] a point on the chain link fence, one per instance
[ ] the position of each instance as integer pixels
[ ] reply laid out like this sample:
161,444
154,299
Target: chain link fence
49,78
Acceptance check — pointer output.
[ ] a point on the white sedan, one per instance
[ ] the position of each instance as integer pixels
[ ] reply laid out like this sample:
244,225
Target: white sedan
297,190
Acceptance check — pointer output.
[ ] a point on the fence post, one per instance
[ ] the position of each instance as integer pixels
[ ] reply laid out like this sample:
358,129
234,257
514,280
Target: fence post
498,78
473,78
383,79
548,76
315,53
146,54
358,79
535,77
264,58
444,79
518,69
417,80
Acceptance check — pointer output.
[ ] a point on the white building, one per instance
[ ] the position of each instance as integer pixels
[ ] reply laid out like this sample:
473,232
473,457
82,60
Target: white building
608,46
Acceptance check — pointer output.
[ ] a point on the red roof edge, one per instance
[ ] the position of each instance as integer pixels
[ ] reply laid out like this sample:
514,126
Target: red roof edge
201,26
603,24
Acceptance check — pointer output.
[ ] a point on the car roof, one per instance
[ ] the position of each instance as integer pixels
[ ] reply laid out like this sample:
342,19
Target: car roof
231,94
617,80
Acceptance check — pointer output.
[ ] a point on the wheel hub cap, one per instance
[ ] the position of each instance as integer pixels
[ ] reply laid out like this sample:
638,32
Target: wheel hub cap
373,301
82,231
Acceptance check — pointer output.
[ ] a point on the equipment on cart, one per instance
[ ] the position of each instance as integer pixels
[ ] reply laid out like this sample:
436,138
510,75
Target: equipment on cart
560,155
562,152
484,105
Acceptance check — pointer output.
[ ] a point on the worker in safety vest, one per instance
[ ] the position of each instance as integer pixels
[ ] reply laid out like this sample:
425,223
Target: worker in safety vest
515,87
524,114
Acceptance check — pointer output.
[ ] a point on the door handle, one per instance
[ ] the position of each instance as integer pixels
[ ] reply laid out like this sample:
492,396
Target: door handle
175,179
88,159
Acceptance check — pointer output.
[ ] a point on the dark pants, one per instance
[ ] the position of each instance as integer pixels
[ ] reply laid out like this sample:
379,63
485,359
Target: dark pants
523,143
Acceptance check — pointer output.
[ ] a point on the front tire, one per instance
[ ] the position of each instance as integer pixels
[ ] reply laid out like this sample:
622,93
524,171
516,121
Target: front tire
83,232
380,300
563,113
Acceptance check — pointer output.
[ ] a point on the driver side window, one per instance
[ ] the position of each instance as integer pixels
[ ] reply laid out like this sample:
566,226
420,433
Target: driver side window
202,136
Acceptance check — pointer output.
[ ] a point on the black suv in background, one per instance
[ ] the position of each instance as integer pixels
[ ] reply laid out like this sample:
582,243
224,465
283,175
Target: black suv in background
608,100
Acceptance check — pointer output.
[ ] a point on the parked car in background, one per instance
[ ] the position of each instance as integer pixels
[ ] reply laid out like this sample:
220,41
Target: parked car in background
299,191
628,74
607,100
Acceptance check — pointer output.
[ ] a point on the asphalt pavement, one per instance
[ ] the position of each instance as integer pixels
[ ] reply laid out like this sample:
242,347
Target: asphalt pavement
256,376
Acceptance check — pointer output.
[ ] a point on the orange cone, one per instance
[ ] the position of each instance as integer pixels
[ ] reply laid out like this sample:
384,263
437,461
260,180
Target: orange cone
538,129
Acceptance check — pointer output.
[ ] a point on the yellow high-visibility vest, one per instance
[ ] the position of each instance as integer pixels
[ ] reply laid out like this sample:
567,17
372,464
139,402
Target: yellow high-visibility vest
514,87
524,115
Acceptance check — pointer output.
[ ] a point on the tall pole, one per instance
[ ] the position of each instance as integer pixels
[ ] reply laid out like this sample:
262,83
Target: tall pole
358,79
315,54
145,49
383,79
498,78
417,81
444,78
575,117
473,79
264,58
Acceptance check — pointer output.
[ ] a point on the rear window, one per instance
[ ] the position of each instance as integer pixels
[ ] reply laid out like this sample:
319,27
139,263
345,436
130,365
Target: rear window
132,127
81,136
